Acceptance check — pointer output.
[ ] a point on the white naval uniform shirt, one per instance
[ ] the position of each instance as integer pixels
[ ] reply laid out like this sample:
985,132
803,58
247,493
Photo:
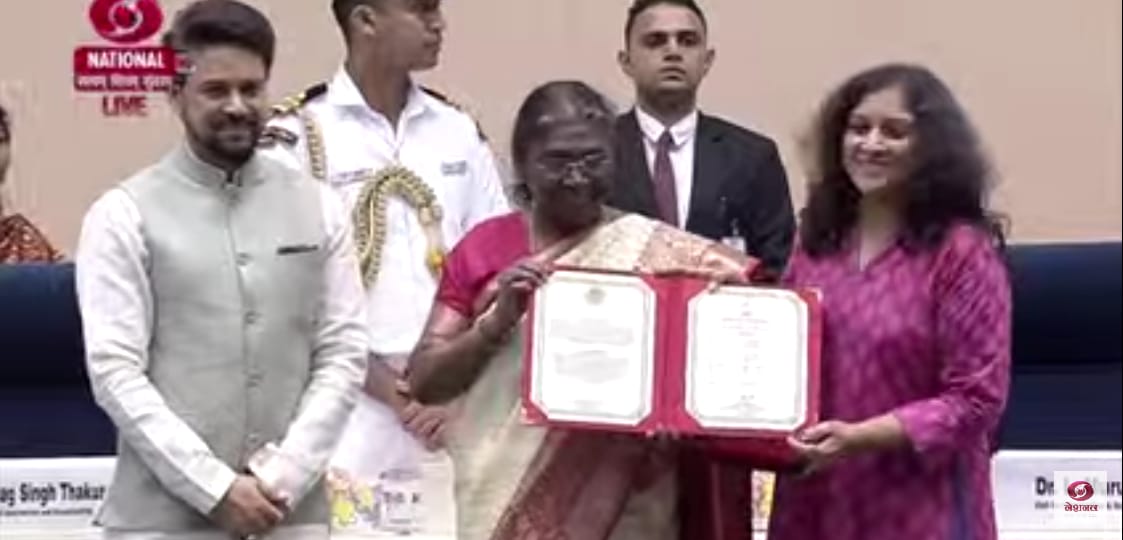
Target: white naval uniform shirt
440,144
443,146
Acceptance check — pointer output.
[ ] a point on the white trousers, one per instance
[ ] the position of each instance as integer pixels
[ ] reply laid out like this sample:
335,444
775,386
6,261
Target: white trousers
294,532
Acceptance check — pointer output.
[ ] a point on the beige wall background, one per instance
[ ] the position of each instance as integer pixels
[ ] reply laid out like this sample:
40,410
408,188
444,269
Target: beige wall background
1041,79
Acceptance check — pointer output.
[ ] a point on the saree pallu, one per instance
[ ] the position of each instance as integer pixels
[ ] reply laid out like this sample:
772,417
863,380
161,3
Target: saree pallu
520,482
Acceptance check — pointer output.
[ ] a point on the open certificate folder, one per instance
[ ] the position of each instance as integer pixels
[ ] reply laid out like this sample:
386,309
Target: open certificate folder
639,353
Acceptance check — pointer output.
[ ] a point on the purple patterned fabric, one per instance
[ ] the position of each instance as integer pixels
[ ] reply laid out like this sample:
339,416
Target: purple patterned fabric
663,176
925,336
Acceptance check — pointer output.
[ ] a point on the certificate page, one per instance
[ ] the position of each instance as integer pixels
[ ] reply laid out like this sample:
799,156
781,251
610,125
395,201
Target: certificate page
593,350
746,365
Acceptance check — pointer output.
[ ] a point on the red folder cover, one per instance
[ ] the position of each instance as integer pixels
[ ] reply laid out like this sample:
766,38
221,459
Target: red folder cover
669,412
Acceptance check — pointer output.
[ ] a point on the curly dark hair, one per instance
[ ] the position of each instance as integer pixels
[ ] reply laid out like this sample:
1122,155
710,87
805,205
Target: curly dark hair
949,178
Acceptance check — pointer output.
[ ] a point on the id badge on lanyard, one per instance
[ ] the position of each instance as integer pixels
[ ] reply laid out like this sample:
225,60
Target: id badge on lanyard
734,241
733,237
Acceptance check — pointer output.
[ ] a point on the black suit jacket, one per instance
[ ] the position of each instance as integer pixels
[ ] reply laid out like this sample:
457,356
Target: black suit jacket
739,187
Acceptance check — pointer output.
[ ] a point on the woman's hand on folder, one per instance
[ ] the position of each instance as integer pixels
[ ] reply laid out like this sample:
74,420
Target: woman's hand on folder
825,443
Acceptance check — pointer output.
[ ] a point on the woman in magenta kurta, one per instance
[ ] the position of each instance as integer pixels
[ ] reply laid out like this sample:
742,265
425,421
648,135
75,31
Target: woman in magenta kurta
916,350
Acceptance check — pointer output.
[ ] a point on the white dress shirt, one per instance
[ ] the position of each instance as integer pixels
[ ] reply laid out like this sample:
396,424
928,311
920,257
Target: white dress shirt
117,315
438,142
682,154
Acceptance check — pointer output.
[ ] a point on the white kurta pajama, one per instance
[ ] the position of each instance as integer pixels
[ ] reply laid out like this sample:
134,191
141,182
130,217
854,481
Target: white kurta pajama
221,313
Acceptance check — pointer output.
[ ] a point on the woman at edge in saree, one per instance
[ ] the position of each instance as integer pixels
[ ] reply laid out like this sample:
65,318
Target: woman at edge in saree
515,481
20,241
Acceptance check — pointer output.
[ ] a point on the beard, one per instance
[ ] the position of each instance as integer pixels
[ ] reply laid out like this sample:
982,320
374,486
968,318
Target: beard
230,141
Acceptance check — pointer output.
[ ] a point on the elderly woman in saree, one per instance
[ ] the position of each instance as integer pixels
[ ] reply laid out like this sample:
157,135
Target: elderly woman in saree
517,481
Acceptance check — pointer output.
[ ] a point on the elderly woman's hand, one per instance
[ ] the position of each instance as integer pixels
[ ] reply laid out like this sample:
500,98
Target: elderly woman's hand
516,285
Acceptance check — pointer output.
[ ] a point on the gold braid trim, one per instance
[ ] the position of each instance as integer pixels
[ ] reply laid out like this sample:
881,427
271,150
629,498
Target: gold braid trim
295,105
369,217
369,214
317,161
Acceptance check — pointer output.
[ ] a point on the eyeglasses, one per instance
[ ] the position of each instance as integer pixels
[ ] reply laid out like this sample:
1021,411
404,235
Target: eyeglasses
558,166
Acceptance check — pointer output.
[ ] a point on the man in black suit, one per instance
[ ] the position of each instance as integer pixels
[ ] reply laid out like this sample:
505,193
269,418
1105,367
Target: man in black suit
693,170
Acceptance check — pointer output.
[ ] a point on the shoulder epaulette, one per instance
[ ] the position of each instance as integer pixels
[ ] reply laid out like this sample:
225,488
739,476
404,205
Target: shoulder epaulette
292,103
273,134
439,96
